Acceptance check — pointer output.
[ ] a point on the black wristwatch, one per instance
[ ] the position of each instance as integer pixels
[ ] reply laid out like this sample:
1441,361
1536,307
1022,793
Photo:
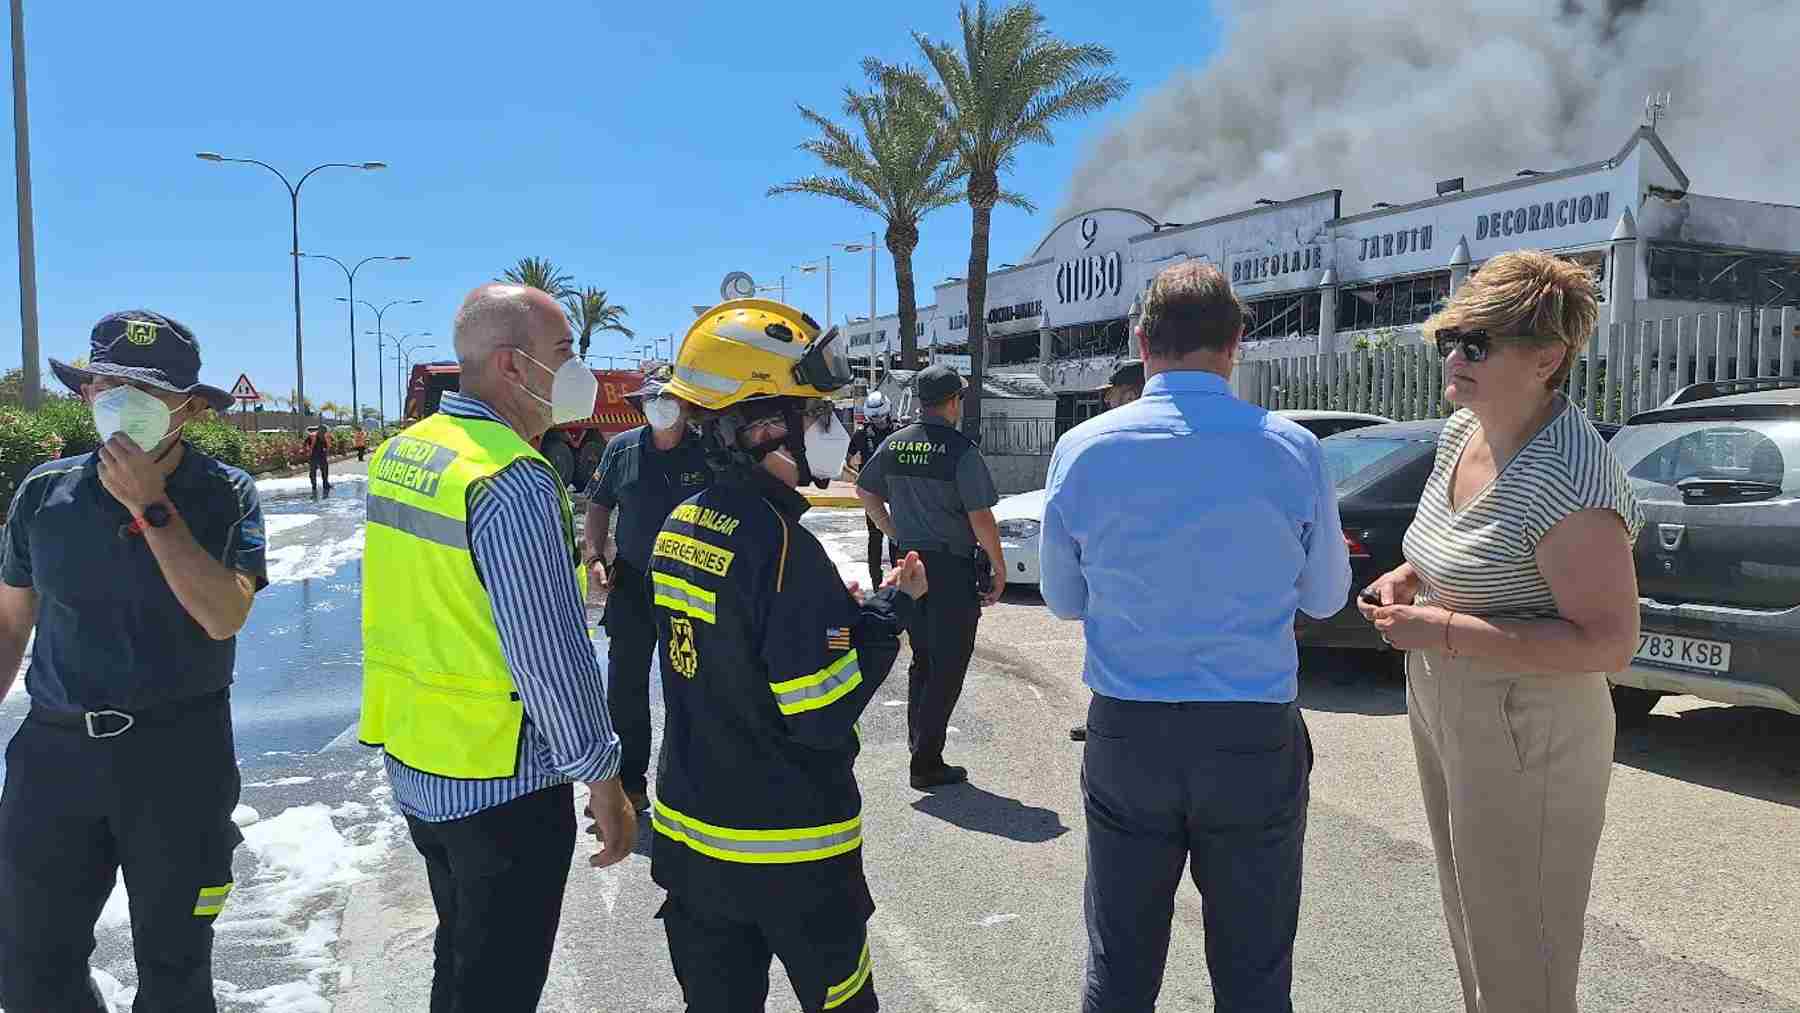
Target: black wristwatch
158,515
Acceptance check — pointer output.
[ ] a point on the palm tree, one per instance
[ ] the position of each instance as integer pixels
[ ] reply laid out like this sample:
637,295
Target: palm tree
1004,88
330,409
903,167
541,274
590,313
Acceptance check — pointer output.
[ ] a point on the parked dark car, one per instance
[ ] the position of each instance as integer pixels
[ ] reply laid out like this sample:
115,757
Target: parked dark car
1716,469
1380,472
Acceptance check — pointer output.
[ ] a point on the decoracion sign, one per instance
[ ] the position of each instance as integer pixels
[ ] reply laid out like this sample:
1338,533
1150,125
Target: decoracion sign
1552,214
1001,314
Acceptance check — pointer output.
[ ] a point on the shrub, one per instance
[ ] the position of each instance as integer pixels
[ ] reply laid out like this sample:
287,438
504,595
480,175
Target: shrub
26,441
71,419
217,440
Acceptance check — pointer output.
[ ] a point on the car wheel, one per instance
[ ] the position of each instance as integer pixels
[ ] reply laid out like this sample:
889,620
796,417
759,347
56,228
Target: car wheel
560,457
1632,705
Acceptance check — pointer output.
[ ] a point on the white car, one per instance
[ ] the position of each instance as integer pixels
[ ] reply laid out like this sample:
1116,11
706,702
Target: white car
1020,517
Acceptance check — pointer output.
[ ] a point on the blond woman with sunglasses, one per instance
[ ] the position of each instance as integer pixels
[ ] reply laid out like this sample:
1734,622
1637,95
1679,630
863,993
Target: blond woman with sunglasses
1517,596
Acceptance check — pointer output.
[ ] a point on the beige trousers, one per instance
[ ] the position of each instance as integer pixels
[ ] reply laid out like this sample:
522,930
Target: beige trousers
1514,769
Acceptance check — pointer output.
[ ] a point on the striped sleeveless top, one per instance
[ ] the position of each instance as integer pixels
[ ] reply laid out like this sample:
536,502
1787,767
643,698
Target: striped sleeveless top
1482,559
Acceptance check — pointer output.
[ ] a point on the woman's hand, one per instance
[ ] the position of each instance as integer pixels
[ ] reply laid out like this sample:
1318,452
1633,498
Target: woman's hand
1409,627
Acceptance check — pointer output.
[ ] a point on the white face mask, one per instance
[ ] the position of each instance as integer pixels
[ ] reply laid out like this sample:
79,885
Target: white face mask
573,389
136,414
826,448
663,413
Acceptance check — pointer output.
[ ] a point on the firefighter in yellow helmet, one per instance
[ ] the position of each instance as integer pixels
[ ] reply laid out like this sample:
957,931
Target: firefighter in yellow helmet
768,660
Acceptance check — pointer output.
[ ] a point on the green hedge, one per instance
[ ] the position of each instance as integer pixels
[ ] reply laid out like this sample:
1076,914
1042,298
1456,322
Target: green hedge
26,441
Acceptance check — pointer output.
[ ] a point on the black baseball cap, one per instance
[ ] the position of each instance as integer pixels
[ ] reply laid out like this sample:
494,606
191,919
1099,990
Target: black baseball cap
937,384
146,348
1128,373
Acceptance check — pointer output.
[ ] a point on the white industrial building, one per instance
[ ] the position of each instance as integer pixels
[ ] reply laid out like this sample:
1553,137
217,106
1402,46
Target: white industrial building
1315,277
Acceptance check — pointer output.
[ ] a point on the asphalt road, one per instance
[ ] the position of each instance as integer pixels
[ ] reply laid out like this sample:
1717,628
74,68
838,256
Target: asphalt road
979,887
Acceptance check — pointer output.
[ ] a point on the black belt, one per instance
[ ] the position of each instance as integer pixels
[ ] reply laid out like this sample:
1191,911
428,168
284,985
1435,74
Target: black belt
109,723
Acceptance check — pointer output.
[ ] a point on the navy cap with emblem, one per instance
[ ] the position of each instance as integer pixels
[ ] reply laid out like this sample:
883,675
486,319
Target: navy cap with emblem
937,384
147,348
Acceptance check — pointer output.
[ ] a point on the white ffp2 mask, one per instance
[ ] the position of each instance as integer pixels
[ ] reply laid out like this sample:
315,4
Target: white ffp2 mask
662,413
136,414
827,446
573,389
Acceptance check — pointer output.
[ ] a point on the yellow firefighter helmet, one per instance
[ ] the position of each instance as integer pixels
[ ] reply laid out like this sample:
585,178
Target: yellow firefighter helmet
754,348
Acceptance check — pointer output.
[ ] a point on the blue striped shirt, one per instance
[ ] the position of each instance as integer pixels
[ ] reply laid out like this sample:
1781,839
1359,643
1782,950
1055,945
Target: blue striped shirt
517,539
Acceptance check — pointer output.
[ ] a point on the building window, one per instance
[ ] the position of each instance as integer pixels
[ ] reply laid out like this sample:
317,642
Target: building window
1595,262
1082,341
1013,349
1284,316
1704,274
1404,302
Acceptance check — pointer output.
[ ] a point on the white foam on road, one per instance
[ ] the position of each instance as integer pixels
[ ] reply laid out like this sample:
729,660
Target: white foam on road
288,906
279,524
280,782
290,563
299,485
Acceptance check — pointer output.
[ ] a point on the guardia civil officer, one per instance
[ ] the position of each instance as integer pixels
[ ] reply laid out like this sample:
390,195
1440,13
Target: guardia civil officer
643,474
879,425
137,564
930,490
767,663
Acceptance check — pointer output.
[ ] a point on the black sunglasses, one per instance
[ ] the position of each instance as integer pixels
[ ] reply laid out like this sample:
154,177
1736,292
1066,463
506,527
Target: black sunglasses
1475,344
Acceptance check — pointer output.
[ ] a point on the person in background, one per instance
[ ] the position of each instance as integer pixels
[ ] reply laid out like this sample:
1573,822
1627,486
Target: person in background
1518,594
479,682
643,474
878,426
1125,385
137,564
318,458
362,442
1184,530
942,500
768,662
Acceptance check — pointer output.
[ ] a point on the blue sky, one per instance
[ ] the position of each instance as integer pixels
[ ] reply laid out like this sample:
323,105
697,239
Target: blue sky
631,143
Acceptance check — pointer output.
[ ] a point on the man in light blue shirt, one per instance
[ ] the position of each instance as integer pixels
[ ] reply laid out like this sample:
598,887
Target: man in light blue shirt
1184,529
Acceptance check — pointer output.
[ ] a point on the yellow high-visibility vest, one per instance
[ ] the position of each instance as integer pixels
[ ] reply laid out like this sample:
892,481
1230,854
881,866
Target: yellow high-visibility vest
437,693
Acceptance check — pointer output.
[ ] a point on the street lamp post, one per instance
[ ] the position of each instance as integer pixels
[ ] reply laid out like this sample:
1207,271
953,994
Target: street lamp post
858,248
814,267
380,401
294,205
403,365
28,316
350,276
781,287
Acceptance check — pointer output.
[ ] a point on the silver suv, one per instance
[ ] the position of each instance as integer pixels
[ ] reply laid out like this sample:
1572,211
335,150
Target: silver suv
1716,469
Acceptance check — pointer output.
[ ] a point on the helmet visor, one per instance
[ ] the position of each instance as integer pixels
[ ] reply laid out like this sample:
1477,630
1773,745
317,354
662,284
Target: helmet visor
824,366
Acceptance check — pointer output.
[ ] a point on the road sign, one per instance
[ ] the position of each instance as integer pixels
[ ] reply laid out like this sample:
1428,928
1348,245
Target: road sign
244,390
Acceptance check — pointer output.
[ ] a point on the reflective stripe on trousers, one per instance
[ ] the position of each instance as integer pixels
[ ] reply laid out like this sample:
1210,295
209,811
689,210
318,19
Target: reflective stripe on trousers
839,993
758,847
820,689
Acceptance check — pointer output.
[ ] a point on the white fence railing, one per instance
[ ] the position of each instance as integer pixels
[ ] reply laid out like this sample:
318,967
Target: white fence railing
1396,375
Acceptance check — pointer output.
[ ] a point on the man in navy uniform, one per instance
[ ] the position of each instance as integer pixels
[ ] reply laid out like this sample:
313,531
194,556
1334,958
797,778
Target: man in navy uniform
137,565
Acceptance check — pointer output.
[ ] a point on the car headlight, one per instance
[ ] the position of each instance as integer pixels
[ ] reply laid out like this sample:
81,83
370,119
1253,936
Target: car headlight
1020,528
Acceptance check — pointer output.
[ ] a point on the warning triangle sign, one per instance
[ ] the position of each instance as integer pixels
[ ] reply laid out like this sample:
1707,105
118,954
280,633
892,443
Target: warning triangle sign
244,390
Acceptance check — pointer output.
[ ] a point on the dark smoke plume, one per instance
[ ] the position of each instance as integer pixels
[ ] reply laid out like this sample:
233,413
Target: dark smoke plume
1382,98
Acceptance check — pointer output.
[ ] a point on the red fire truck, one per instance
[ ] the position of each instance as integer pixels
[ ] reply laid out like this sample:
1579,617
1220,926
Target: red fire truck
574,448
